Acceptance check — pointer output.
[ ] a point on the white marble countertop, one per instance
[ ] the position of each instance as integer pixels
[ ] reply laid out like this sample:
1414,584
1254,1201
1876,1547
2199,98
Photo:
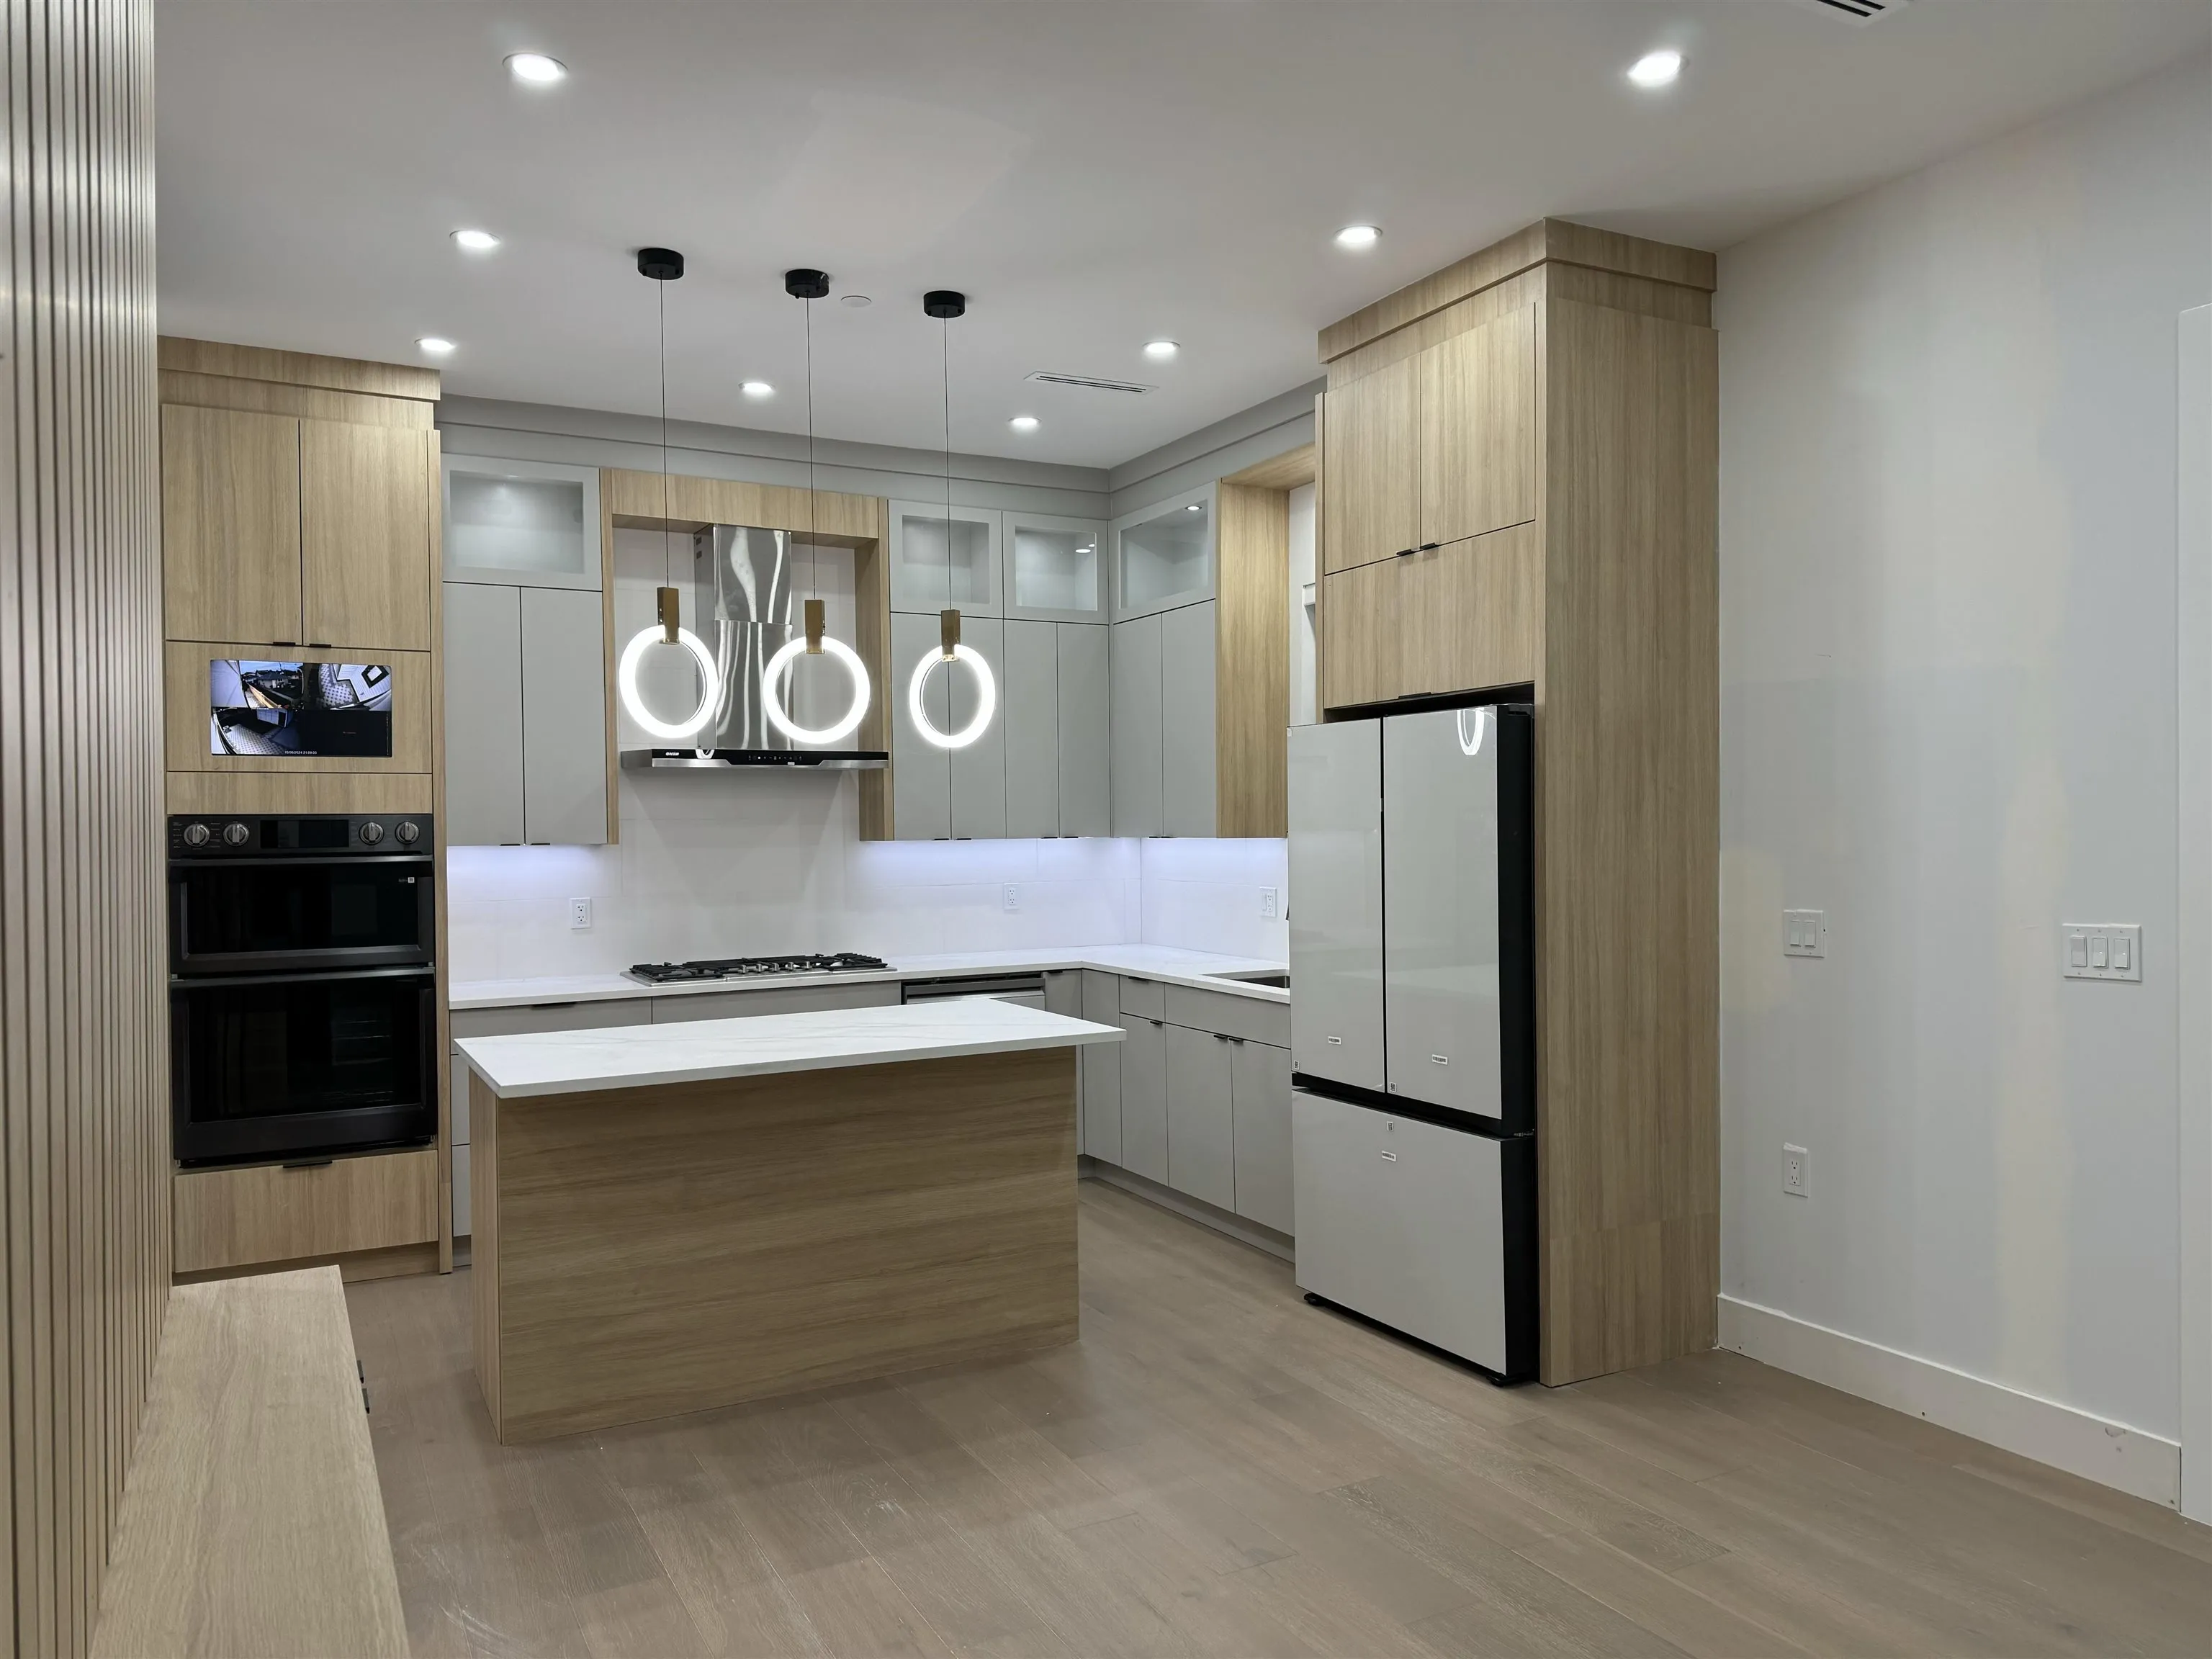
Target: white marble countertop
698,1051
1159,962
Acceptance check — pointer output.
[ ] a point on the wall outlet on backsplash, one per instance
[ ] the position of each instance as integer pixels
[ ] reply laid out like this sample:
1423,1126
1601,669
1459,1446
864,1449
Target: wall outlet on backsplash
1270,903
1011,900
580,915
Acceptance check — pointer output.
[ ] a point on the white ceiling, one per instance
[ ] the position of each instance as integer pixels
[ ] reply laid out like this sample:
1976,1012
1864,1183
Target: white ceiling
1092,174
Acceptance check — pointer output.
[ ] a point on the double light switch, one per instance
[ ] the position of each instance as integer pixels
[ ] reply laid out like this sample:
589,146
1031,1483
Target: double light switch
2094,949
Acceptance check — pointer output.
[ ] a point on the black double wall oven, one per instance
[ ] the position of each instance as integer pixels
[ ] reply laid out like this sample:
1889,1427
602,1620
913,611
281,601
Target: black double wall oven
302,986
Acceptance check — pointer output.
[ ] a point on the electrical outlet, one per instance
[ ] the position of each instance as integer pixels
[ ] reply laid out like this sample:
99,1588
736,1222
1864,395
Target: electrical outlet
1796,1170
2100,949
1011,900
1270,902
1804,932
580,915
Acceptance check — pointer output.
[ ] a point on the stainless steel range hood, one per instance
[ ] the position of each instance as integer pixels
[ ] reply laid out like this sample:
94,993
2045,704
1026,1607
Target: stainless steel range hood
741,576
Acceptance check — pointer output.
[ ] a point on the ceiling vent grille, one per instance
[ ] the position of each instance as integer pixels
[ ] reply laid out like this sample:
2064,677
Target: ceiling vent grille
1858,11
1090,380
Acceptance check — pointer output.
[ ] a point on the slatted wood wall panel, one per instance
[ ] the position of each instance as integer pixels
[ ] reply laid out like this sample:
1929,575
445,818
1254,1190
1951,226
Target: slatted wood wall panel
83,1047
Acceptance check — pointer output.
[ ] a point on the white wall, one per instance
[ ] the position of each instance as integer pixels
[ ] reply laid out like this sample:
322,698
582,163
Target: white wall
1947,535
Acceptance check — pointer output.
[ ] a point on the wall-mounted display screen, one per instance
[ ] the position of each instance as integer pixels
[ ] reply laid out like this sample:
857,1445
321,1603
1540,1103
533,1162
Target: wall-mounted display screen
299,708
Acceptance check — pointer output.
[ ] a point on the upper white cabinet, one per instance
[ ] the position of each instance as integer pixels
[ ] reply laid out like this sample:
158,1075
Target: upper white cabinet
525,717
1056,570
946,559
1163,556
533,524
1137,727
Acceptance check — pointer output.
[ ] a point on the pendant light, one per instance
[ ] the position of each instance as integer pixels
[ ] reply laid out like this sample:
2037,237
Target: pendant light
945,304
665,266
808,286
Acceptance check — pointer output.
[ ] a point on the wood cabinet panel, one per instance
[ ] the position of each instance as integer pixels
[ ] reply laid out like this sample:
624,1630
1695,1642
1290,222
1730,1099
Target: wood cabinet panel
185,711
268,1213
230,525
834,516
1371,467
1361,659
1471,614
1478,429
365,495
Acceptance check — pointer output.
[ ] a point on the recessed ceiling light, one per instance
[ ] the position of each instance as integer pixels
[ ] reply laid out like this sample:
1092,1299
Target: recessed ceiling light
1656,69
1195,507
1161,350
1359,236
758,389
536,68
436,345
855,300
1024,423
477,241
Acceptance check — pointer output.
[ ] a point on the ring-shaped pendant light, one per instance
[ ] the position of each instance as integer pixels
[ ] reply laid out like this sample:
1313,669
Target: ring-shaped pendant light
987,698
710,684
1470,744
779,666
665,266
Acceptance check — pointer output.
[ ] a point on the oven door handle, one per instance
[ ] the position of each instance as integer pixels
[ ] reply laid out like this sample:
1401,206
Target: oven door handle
219,981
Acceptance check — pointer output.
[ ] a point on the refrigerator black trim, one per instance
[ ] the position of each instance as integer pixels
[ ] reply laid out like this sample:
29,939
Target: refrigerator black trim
1517,916
1517,1173
1420,1111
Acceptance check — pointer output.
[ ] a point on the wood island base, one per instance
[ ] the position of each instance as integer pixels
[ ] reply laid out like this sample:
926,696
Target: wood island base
644,1252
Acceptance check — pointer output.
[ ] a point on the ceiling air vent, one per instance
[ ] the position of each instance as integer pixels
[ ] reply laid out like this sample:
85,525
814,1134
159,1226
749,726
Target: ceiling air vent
1858,11
1090,380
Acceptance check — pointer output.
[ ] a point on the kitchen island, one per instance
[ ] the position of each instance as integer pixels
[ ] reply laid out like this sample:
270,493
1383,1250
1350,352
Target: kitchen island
674,1217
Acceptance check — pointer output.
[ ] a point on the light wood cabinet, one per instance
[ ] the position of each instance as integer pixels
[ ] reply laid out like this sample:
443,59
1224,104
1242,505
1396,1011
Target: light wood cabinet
1568,472
230,524
268,1213
1371,496
365,495
1478,429
1464,617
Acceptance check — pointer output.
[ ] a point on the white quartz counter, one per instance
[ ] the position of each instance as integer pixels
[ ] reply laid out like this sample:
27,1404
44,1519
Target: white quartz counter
1197,968
697,1051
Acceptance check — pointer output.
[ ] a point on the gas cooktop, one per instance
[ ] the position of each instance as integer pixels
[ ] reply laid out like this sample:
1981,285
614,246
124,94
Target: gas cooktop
686,973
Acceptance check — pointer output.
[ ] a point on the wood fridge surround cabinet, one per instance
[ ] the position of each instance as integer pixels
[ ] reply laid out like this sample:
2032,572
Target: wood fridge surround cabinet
914,1221
631,500
1602,595
300,512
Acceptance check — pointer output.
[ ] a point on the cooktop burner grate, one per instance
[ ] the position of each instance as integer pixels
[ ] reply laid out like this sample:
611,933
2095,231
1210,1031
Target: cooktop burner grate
685,973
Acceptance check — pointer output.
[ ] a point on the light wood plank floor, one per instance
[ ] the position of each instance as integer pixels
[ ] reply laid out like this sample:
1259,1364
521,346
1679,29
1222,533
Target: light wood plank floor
1217,1468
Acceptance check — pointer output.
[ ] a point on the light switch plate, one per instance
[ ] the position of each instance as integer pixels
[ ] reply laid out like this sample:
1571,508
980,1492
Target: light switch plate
1269,902
1804,932
2100,949
1797,1171
580,915
1011,900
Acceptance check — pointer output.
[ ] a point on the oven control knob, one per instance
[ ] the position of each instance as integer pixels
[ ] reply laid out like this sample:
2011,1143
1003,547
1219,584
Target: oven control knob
371,833
235,835
196,834
409,832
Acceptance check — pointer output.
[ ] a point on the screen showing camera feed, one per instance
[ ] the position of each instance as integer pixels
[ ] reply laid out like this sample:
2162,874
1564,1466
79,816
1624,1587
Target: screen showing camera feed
296,708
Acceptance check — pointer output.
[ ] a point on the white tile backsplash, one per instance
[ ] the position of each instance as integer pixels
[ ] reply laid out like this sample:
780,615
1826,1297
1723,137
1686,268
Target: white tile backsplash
749,864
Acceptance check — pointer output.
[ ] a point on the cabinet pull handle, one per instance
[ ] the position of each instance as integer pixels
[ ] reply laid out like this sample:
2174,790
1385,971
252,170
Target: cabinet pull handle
310,1163
1441,1060
1406,552
1430,547
1338,1041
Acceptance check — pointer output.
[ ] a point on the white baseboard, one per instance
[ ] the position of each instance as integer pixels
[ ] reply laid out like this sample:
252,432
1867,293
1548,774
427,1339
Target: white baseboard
2112,1454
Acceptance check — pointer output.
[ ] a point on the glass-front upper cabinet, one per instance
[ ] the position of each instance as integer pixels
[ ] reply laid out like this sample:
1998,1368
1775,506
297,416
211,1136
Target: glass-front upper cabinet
1054,570
1163,554
529,524
940,561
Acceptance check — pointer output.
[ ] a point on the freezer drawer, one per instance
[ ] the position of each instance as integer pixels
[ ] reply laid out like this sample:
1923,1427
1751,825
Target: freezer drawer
1428,1229
1336,902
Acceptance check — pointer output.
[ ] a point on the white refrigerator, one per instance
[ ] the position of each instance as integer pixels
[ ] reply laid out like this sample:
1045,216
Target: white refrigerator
1412,1025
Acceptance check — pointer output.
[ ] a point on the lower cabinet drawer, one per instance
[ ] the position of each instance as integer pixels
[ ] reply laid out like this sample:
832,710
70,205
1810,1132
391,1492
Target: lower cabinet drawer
241,1218
789,1000
587,1016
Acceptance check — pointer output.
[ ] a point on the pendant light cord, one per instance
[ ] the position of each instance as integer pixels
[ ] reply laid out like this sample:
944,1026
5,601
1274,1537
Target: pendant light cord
813,506
667,547
944,377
